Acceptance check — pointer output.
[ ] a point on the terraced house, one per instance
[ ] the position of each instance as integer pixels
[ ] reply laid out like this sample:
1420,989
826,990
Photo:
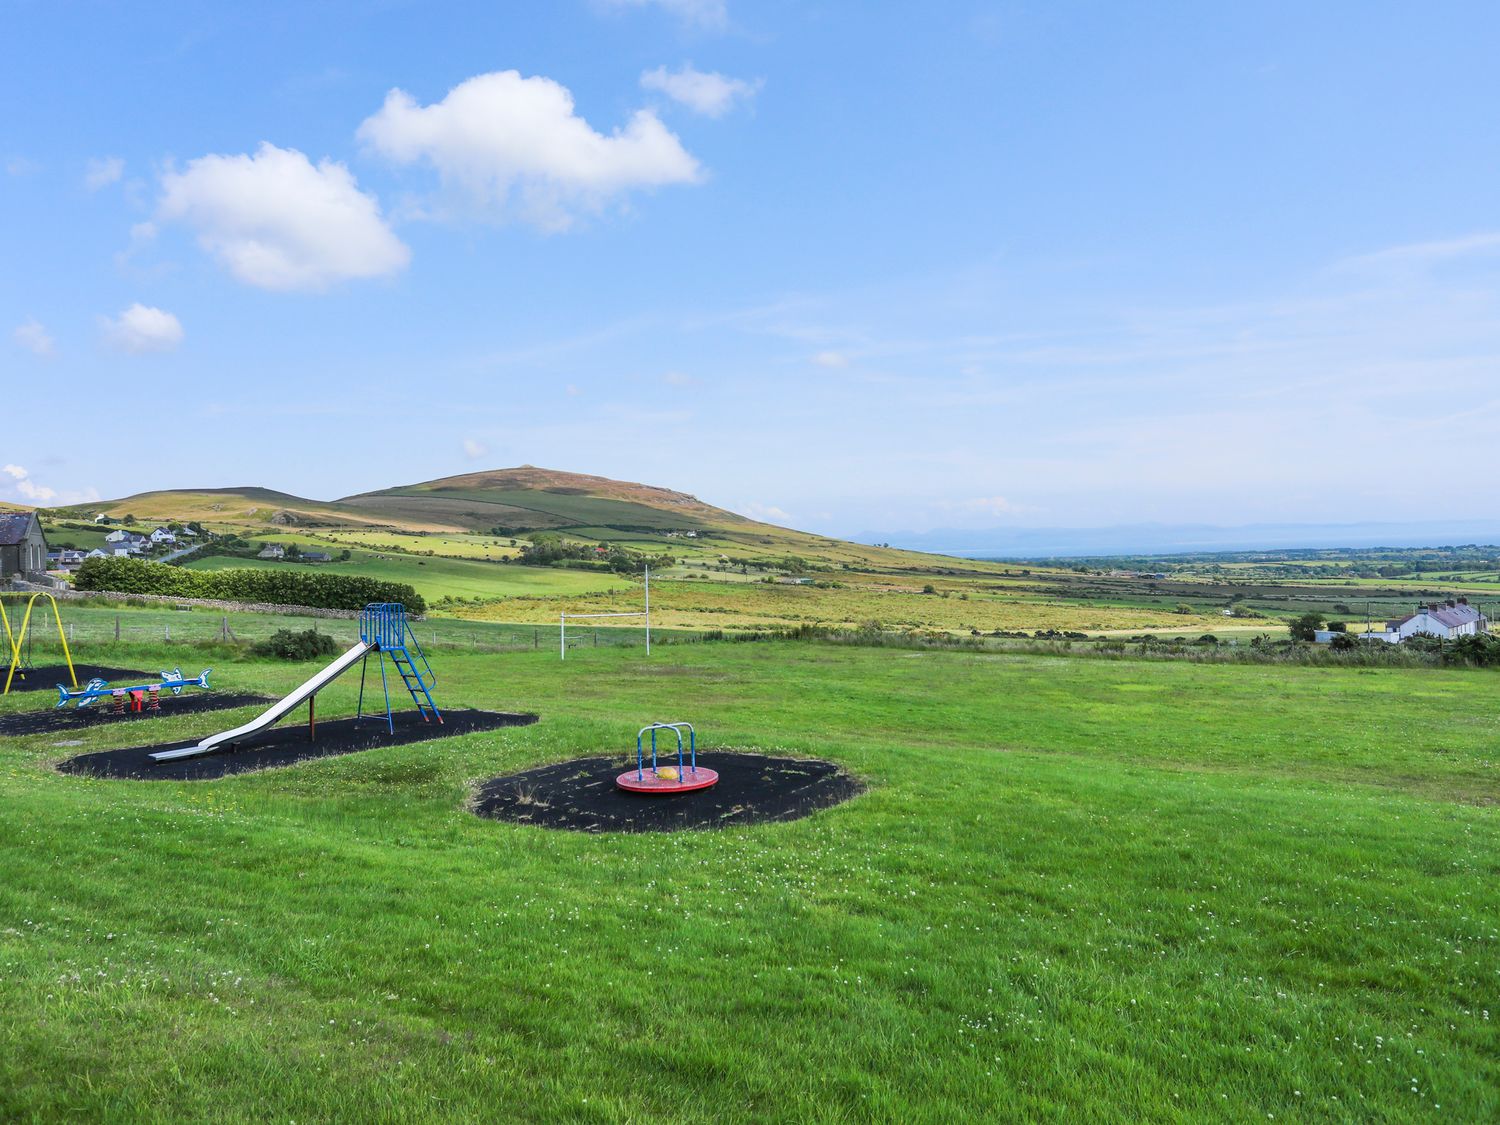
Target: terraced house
23,547
1446,620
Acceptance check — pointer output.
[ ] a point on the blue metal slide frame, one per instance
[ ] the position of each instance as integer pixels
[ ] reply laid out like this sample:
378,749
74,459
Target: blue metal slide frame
383,626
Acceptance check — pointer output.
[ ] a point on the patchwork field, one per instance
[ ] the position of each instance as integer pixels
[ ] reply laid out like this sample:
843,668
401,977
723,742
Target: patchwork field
439,577
1134,890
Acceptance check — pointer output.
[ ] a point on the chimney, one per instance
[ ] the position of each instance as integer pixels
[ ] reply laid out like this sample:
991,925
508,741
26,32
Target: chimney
1463,601
1452,604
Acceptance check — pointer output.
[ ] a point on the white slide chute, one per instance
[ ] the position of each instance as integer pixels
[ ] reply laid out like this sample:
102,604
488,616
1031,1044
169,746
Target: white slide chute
276,712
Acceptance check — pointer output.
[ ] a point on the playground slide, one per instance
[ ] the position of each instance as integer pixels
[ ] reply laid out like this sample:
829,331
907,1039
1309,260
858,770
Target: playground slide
276,712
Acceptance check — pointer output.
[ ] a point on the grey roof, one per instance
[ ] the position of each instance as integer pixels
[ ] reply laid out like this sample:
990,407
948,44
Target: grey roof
1448,616
1455,615
13,527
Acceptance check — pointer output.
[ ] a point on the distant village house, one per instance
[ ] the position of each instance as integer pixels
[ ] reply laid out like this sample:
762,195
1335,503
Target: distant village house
1446,620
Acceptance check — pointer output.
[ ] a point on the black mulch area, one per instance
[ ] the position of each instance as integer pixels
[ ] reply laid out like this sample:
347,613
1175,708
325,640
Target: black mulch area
102,712
581,795
47,678
287,745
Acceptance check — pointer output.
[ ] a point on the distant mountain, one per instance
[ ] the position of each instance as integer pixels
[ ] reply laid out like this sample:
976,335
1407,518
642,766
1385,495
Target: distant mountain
1165,539
515,502
530,499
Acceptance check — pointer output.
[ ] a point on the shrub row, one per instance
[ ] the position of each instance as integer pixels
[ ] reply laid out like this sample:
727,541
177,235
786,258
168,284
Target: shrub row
282,587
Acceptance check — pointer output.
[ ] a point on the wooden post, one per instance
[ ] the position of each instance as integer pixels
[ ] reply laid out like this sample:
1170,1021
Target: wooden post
117,628
312,717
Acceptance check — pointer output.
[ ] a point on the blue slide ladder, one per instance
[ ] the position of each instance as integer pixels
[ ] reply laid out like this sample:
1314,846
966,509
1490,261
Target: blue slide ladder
382,626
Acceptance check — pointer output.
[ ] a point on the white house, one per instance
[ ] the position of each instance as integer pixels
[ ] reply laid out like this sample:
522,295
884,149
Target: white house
126,540
162,535
272,551
1447,620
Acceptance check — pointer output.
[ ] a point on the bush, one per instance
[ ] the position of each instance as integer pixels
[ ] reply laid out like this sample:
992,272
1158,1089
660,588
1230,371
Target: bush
288,644
1305,627
275,587
1480,648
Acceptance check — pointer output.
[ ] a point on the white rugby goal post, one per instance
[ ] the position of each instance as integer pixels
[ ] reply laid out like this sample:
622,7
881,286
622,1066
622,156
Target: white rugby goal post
564,618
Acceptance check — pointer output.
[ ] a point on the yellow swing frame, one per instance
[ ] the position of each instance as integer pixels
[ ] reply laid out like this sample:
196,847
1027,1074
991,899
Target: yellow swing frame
15,640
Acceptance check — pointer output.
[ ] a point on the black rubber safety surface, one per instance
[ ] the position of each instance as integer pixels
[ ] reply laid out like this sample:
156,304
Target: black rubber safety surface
102,712
581,795
48,677
287,745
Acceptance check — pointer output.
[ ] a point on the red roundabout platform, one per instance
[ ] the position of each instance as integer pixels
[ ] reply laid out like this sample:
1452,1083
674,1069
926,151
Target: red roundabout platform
644,781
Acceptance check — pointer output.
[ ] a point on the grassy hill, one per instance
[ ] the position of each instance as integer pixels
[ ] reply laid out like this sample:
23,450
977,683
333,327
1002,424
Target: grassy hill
445,537
465,511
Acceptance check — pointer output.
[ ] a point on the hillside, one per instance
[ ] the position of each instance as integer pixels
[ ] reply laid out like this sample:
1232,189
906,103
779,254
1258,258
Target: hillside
467,515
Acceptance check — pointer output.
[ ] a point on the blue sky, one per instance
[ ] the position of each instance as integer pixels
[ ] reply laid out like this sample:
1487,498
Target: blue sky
847,266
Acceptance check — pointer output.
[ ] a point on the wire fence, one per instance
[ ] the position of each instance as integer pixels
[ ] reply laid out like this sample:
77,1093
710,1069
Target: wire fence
92,628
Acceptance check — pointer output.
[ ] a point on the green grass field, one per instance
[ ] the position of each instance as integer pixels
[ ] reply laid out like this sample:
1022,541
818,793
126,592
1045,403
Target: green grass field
445,577
1075,890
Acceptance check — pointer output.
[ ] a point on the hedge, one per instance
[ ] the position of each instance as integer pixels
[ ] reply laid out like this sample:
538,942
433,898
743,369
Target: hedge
279,587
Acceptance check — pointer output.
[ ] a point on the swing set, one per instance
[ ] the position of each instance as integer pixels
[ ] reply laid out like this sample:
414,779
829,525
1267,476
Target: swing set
15,639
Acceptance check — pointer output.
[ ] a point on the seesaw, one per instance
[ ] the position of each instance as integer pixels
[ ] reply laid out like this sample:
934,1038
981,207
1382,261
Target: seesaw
150,694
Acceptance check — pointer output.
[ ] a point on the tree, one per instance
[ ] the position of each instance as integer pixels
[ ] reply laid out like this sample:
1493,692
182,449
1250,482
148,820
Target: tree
1305,628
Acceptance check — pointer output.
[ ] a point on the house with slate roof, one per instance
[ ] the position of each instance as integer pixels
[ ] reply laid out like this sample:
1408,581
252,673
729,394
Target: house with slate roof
1446,620
23,547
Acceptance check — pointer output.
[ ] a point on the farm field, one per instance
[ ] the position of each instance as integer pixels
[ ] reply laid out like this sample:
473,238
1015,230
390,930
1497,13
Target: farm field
438,578
710,564
711,604
1138,890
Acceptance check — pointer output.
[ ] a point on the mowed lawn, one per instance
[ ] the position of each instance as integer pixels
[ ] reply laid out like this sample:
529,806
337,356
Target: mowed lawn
1075,889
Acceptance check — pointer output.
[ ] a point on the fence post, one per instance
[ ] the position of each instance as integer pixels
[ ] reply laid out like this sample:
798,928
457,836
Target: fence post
117,628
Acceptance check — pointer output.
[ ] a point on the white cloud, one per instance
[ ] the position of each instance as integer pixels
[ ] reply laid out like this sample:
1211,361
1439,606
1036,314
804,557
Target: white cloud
141,329
1427,253
21,486
21,166
278,222
474,449
767,513
708,93
515,144
678,379
831,359
711,15
103,171
25,487
32,336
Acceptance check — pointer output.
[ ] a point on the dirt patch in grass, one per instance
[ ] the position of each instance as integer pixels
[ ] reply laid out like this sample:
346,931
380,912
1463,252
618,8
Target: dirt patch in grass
102,713
48,677
287,745
581,795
